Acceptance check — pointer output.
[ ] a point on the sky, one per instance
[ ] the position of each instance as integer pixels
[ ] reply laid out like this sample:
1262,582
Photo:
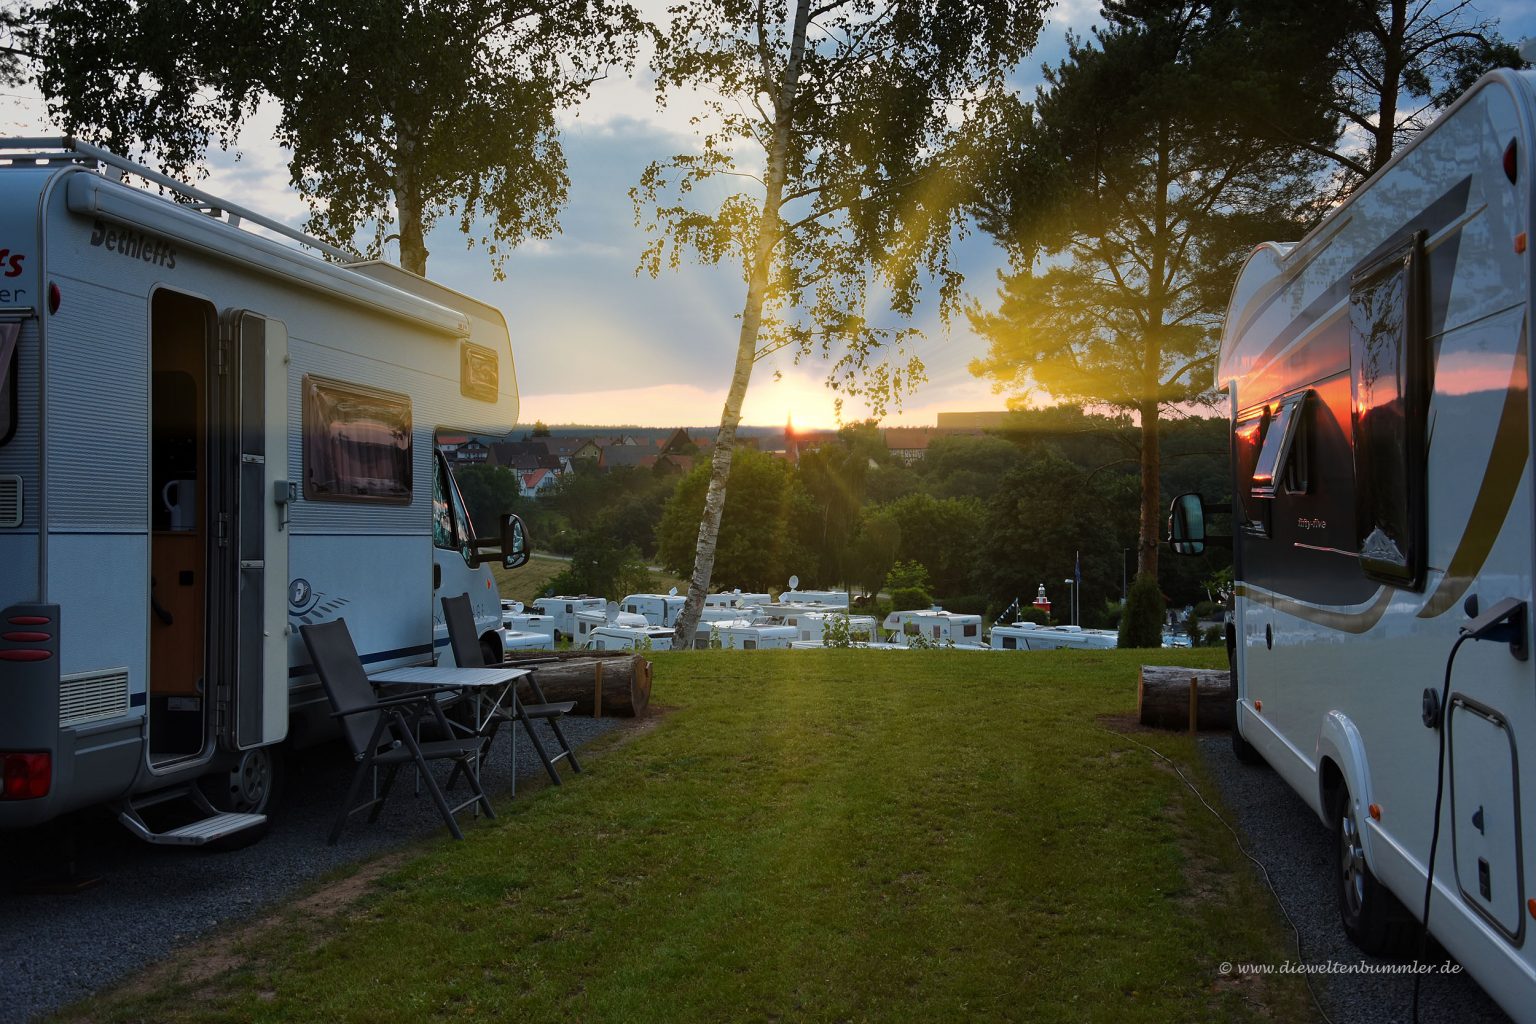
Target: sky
597,343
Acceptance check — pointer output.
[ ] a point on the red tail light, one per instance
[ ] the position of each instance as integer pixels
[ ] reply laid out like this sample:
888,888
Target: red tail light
26,776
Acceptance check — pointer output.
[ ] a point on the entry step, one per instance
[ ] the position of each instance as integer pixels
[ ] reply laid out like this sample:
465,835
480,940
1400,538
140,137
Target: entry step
197,833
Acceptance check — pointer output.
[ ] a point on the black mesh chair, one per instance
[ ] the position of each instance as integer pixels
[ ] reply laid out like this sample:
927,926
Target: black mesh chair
381,730
462,636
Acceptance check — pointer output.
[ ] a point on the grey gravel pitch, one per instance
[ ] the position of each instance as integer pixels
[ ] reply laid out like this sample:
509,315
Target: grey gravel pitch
1291,842
151,900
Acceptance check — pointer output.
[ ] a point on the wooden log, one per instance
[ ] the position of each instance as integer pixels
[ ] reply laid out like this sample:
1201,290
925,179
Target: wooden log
624,686
1165,700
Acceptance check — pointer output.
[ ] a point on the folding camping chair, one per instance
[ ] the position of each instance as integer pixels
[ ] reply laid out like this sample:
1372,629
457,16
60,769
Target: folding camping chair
381,730
460,617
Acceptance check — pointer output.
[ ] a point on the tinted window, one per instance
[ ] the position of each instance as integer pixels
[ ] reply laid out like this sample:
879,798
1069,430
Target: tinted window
1247,439
1387,380
749,645
1010,644
1277,455
970,629
357,443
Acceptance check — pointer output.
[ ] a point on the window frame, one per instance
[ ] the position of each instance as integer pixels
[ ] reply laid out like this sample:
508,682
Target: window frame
1288,418
309,430
1413,374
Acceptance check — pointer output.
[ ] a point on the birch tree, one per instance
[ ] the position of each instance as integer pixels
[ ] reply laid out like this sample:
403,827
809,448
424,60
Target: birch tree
397,112
836,142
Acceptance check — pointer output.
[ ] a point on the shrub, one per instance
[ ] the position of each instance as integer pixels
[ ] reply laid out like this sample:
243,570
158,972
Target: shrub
1142,624
1215,636
907,598
1207,610
966,604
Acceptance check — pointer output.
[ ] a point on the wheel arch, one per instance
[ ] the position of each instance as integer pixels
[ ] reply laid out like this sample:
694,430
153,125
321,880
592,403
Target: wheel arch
1341,760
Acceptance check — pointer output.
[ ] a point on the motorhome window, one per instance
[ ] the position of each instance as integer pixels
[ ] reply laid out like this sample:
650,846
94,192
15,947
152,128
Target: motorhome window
970,629
1247,440
749,645
10,359
442,512
1010,644
1387,377
357,443
1273,463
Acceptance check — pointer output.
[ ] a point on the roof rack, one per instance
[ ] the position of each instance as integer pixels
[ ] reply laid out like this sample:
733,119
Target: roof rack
64,149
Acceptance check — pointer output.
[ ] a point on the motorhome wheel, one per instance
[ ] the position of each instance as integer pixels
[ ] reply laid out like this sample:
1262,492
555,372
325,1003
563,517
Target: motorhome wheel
249,786
1373,918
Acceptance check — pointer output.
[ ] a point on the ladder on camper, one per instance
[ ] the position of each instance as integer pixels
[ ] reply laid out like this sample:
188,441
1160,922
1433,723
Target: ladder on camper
212,824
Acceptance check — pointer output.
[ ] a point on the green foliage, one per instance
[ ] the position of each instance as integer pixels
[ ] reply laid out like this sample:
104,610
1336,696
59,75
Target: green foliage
754,542
874,550
908,598
829,166
1142,624
908,575
376,100
1037,520
836,632
833,477
1214,636
967,467
599,565
941,534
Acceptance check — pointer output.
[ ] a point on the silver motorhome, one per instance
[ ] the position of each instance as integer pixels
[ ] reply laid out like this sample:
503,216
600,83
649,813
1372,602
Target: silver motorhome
1379,381
209,437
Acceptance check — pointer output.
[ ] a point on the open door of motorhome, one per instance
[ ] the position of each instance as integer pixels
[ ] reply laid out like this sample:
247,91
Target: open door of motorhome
260,493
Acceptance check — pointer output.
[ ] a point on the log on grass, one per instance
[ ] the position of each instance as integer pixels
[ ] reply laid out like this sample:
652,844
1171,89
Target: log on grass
623,679
1162,697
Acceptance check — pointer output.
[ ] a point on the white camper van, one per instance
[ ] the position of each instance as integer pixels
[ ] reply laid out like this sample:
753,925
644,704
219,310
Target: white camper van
658,609
1379,385
1031,636
563,610
207,439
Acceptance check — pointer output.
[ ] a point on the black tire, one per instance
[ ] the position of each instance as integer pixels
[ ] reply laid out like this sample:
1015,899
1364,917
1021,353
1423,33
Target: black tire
1245,752
251,785
1373,918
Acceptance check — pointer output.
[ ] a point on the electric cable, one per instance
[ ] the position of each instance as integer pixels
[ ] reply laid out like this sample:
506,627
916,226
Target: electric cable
1434,835
1295,931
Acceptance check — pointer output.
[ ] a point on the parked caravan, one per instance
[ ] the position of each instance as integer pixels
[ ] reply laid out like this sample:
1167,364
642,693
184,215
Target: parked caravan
935,626
589,619
207,439
515,617
625,638
830,598
744,635
563,610
812,626
658,609
1378,379
735,599
1031,636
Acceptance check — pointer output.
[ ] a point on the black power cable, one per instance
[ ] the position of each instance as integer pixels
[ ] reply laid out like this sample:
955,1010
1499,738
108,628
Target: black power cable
1434,835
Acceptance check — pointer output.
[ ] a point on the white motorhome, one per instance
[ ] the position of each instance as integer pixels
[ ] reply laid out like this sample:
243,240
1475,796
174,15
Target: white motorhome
1379,386
830,598
589,619
1031,636
735,599
523,640
624,638
563,610
207,439
812,626
658,609
515,617
744,635
934,626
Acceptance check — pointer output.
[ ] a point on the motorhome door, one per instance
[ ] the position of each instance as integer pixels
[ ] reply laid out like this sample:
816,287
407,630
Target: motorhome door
257,357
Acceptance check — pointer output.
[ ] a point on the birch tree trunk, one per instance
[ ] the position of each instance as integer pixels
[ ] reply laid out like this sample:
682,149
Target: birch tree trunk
413,245
758,276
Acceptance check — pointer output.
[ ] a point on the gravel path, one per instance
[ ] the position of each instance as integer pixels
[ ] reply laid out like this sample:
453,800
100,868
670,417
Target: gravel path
1297,849
56,949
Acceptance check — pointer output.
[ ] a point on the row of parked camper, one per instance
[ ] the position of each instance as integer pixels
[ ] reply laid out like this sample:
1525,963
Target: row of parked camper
756,621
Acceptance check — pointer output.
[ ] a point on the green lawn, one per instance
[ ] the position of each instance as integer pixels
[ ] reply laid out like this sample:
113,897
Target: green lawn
838,836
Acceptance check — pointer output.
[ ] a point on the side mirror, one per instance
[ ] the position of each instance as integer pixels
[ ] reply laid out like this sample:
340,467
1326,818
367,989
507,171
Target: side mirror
1186,525
511,547
515,550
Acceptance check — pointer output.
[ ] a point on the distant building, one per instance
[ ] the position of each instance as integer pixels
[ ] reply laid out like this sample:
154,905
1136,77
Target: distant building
535,483
971,422
909,444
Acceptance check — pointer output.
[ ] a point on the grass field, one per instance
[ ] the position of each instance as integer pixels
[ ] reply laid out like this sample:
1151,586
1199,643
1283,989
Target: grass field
823,836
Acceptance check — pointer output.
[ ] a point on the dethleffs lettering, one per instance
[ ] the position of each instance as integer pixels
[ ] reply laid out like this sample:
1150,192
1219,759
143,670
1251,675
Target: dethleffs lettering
10,262
134,245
